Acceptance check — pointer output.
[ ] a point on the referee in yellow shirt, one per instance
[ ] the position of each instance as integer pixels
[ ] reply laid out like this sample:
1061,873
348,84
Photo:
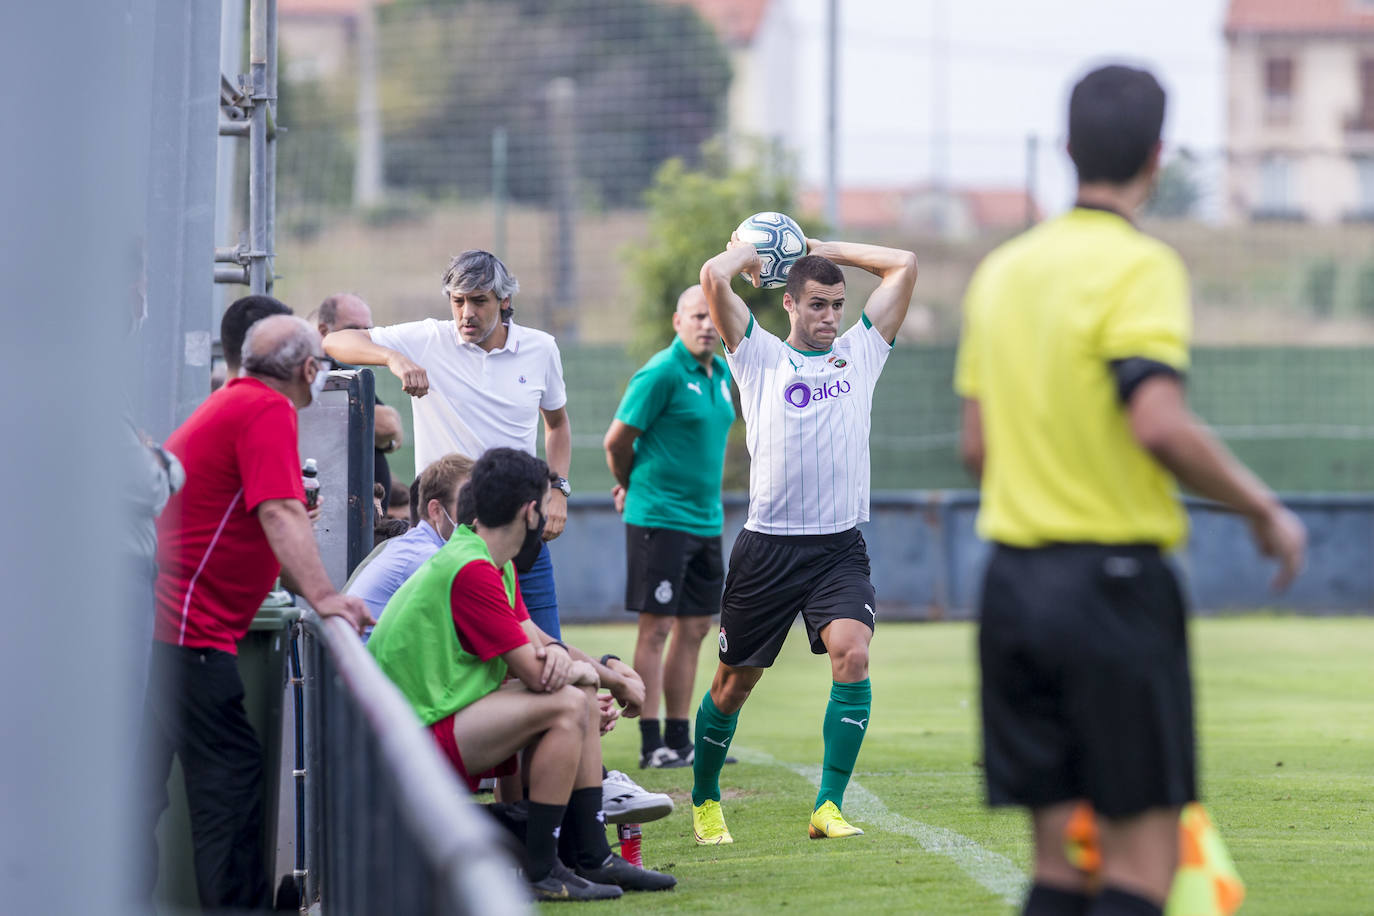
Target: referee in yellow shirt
1072,366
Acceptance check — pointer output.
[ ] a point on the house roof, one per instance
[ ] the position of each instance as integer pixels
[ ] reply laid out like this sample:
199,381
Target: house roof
735,21
889,207
1290,17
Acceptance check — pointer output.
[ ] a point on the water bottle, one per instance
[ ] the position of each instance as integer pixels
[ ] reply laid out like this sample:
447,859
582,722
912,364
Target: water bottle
310,480
631,837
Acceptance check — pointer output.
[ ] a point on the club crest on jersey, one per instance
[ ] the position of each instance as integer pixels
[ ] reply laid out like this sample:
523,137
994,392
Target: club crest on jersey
664,593
839,362
800,394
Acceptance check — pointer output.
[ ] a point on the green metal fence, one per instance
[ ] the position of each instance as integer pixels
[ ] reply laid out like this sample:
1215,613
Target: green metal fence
1302,417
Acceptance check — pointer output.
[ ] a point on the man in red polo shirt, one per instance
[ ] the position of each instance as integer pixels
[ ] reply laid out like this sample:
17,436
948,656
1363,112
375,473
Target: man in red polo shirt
222,541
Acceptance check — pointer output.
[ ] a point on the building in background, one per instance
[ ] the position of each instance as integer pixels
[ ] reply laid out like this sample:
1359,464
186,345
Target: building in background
1300,110
951,213
757,35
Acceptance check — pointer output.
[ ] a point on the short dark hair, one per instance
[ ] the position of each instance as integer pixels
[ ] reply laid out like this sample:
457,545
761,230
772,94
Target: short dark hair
241,316
503,480
812,267
1116,114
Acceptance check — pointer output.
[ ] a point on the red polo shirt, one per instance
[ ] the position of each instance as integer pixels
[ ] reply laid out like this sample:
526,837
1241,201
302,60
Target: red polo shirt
215,565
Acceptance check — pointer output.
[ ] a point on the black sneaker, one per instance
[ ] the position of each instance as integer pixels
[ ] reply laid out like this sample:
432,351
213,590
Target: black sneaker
617,871
563,884
688,754
661,758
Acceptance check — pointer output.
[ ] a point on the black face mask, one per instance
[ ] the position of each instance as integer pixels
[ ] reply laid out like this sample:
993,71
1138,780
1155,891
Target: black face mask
529,549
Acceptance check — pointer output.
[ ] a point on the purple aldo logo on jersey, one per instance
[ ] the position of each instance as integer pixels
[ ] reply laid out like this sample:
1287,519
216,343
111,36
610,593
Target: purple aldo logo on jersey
800,394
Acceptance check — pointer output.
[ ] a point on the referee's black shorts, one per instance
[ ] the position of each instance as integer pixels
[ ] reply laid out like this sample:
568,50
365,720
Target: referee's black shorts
772,578
1086,691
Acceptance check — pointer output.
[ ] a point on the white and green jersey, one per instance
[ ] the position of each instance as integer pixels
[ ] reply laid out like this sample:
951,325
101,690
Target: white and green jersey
807,418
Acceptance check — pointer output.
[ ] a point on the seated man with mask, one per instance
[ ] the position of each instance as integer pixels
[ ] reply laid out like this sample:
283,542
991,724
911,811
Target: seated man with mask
448,639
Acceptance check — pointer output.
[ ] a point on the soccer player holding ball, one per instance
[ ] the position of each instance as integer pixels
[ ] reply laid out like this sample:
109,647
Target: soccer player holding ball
806,402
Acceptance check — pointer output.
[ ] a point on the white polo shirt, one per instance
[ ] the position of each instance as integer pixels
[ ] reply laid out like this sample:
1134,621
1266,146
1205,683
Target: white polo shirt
806,421
477,399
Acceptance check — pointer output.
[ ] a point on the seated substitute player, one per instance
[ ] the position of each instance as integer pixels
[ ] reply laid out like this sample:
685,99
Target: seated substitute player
447,640
666,448
1072,358
806,404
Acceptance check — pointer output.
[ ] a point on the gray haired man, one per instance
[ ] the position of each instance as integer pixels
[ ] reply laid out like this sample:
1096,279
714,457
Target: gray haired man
477,382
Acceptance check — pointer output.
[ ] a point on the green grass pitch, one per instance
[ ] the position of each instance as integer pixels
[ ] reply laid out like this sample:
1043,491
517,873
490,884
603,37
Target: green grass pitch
1286,740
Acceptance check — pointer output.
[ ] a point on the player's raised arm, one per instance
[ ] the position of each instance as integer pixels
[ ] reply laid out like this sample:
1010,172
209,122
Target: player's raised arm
728,312
886,308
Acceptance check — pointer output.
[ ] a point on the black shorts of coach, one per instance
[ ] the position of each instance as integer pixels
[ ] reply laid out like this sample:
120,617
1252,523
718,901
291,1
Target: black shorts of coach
672,572
1086,691
823,577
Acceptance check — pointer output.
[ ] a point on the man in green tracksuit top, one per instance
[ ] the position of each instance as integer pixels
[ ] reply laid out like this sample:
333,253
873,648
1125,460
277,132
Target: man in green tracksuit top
448,639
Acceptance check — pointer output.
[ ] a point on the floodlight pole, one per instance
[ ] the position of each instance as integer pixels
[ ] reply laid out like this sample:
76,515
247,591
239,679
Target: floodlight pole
832,77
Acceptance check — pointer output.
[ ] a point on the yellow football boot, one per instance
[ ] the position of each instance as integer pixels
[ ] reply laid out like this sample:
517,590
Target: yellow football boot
708,824
828,823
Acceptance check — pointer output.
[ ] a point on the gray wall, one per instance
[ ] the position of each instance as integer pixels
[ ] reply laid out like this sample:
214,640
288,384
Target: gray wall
927,560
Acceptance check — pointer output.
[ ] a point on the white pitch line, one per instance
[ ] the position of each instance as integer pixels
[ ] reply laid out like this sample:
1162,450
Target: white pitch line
993,871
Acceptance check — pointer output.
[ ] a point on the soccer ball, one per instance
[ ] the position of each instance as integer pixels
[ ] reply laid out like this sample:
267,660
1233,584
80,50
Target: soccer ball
780,242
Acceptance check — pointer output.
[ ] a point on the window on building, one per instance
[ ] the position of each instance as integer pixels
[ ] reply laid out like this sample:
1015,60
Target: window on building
1364,117
1276,178
1278,89
1364,171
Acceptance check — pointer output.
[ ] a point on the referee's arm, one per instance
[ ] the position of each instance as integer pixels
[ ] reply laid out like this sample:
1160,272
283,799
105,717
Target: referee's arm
1164,426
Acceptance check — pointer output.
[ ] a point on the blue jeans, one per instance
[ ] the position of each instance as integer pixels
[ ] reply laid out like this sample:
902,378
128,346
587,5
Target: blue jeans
541,595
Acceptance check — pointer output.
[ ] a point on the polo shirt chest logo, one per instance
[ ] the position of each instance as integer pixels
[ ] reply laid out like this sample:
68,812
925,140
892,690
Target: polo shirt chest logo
695,386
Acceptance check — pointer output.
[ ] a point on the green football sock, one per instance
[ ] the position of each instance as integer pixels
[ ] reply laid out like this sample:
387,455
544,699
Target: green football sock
846,720
714,732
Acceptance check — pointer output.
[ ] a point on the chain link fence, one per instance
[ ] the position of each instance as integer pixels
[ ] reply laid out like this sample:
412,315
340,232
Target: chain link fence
534,129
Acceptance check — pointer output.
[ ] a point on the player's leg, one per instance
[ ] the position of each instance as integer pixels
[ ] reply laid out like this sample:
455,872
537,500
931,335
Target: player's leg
679,681
846,722
702,583
650,640
1059,888
584,826
655,564
1139,857
840,615
1131,702
554,725
716,719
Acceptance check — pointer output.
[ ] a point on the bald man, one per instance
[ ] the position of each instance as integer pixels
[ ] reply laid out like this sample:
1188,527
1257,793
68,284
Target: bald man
348,312
666,448
223,539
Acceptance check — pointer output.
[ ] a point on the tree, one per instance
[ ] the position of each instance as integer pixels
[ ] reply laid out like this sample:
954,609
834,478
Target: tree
649,78
1176,192
691,216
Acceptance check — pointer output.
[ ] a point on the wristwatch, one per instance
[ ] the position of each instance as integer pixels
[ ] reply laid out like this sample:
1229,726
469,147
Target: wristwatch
564,486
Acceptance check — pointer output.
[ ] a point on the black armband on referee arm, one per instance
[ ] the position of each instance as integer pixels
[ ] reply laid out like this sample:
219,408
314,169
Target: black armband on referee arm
1132,372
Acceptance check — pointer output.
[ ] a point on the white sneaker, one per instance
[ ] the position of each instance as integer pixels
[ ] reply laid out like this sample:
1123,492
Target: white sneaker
626,802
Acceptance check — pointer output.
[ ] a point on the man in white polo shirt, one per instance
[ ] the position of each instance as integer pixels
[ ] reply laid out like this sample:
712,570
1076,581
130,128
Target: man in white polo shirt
478,382
806,402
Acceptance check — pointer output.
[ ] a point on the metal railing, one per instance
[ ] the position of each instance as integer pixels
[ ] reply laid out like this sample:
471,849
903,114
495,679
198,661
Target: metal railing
388,826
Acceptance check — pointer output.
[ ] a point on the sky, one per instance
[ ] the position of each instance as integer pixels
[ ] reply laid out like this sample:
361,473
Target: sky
1008,65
